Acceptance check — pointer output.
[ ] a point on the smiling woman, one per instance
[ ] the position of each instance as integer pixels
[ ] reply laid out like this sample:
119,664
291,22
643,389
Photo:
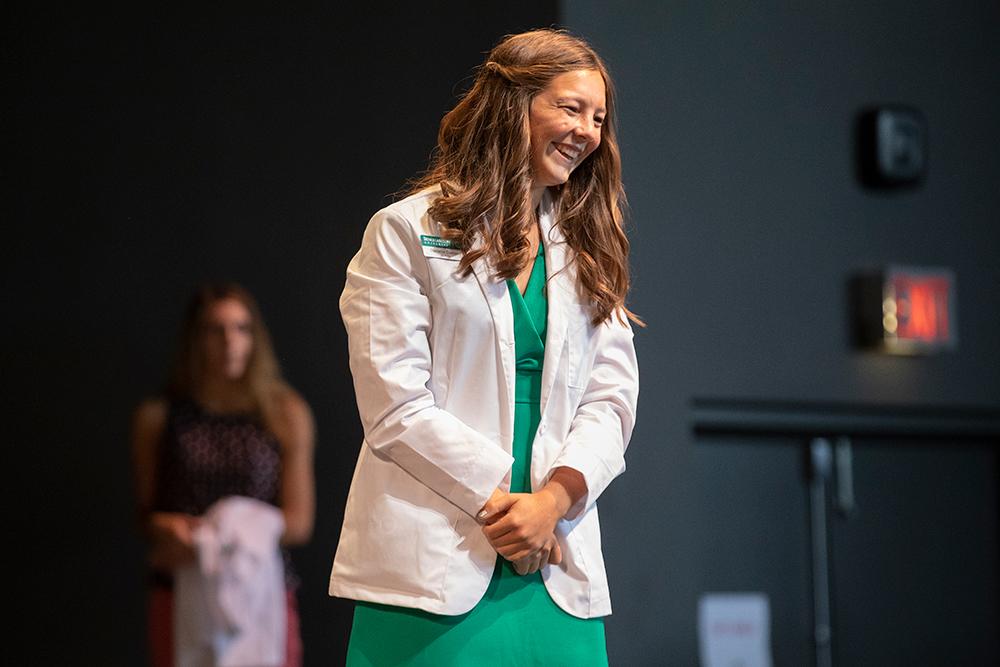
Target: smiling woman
495,376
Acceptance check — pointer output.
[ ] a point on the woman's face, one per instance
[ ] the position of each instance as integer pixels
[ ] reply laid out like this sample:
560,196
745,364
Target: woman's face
227,339
565,119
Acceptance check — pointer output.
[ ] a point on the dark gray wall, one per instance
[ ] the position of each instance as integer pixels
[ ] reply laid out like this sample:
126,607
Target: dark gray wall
153,150
736,123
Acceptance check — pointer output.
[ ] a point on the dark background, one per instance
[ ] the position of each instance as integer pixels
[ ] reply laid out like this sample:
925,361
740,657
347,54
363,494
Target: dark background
155,150
149,151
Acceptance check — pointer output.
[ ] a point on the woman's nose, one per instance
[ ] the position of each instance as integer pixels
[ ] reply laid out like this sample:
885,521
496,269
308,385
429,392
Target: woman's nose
589,131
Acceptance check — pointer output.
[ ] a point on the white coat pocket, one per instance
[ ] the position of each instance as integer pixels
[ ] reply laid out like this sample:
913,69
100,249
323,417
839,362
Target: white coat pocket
411,528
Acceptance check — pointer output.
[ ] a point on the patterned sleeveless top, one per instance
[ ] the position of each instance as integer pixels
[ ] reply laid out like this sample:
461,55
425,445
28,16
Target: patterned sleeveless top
204,457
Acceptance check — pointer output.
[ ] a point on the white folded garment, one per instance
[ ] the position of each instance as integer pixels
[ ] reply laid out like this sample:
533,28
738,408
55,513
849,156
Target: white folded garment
230,608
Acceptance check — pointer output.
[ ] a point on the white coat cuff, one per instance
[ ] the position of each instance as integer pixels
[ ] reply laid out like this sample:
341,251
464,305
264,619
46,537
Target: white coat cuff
481,480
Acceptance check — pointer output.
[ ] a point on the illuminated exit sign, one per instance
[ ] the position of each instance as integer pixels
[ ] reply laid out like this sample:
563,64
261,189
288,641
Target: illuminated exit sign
907,310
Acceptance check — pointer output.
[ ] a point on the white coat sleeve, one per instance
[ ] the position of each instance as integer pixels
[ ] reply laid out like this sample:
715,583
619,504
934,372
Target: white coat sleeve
388,318
602,426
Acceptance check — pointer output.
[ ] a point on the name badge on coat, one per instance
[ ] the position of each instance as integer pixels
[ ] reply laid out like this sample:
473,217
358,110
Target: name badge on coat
435,246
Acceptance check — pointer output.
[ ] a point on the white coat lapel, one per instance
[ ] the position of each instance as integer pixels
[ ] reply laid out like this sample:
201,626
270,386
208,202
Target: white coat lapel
496,294
498,300
561,292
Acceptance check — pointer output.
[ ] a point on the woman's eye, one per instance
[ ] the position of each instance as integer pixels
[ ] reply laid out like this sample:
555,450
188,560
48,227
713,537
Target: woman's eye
571,110
598,121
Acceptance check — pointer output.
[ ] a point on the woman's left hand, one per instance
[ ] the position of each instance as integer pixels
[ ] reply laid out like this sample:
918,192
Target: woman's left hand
522,524
550,554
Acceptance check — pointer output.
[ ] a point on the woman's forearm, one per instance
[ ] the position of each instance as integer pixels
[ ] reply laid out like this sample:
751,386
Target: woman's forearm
298,528
566,486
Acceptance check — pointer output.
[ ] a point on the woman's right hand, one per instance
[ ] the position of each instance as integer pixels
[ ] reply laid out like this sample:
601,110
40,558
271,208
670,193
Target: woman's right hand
172,543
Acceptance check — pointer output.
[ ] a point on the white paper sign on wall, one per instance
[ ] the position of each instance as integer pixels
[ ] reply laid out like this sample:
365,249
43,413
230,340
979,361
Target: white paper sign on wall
734,630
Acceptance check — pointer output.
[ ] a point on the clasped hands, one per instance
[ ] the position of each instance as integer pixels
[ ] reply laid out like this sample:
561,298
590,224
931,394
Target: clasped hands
521,527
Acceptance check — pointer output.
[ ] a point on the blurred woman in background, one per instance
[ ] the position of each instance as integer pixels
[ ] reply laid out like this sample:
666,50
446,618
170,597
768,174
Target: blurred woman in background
227,425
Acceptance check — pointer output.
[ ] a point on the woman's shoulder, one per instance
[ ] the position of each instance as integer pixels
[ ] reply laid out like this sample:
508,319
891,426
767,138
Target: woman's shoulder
412,209
421,199
291,412
406,221
150,415
289,401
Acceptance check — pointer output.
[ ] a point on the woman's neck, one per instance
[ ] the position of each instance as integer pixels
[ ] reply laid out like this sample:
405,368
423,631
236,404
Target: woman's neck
224,395
536,197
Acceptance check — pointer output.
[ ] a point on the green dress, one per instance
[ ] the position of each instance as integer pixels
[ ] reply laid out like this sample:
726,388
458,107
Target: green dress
516,623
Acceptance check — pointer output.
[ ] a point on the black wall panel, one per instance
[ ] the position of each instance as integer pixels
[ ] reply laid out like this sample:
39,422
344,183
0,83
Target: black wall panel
149,150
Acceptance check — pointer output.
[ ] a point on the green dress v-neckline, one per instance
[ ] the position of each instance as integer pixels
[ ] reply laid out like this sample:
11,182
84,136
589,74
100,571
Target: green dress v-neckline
530,315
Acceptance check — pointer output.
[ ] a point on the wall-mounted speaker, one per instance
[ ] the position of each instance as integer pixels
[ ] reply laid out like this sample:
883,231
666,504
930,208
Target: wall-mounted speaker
891,146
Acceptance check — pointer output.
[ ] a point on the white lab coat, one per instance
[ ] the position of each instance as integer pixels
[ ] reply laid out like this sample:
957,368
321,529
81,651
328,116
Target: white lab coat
230,607
432,355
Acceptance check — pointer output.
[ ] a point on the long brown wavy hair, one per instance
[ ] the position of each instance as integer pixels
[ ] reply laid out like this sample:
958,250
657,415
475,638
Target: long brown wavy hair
262,379
482,166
